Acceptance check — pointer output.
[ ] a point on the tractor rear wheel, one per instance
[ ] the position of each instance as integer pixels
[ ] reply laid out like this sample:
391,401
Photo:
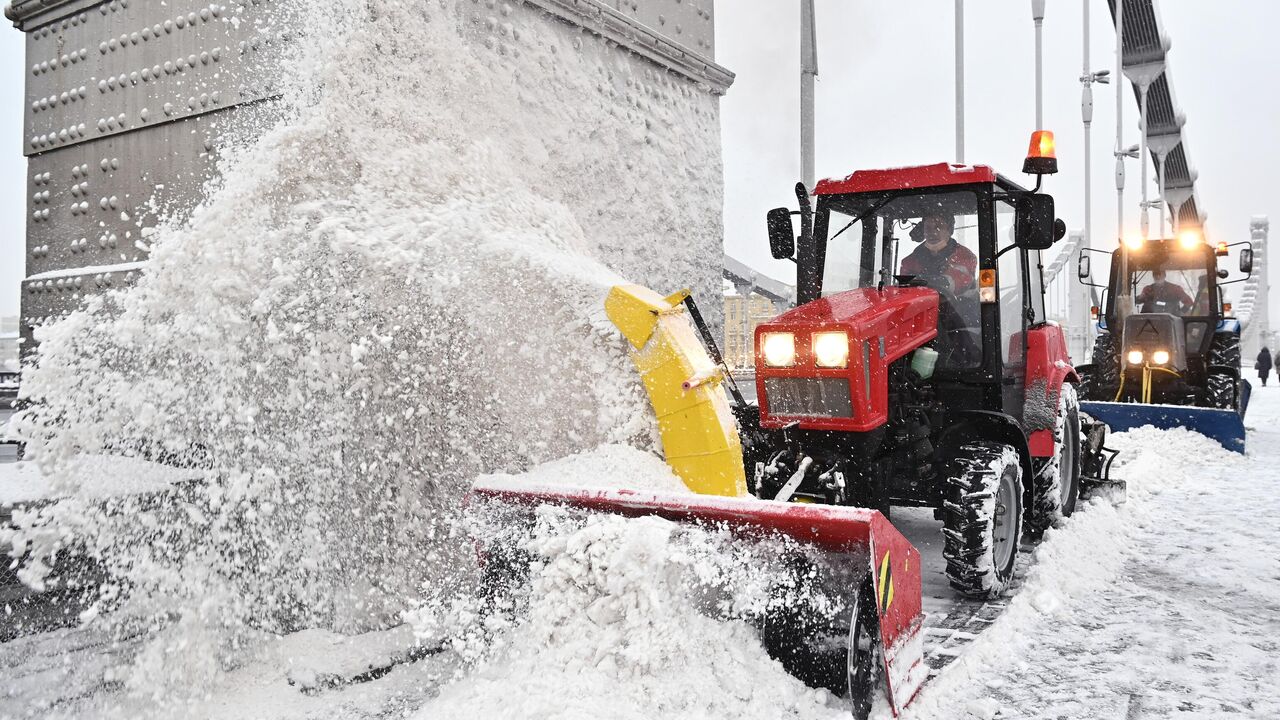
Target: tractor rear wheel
1056,486
982,518
1104,382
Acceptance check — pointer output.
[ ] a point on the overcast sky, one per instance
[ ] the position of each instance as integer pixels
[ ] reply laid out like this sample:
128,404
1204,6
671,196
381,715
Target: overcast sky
885,98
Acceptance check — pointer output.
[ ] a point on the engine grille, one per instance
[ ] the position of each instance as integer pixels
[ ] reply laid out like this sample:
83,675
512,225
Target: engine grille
809,397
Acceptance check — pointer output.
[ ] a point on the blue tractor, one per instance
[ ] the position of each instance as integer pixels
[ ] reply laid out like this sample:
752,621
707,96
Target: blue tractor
1168,351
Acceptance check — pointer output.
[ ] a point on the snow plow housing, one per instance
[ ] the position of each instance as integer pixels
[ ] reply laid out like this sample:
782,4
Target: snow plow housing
892,574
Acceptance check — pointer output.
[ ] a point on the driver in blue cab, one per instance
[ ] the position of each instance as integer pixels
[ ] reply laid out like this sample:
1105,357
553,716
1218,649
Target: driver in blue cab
939,260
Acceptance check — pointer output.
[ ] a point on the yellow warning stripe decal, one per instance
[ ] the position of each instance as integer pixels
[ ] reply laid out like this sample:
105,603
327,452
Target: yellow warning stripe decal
885,589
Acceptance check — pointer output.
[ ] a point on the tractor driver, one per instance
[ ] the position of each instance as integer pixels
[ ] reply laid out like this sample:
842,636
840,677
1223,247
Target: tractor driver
1163,296
950,268
940,261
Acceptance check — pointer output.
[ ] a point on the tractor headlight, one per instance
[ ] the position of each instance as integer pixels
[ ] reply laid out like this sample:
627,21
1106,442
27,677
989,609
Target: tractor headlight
831,349
1160,357
779,349
1135,357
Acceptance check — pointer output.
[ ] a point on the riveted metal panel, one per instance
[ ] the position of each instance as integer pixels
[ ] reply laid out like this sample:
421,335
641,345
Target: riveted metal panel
128,101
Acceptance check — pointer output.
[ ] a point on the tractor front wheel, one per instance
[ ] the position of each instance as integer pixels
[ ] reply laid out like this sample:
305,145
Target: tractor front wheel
982,518
1056,486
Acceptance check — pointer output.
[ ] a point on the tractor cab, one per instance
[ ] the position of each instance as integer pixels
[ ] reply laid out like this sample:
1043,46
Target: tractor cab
967,234
1165,335
919,368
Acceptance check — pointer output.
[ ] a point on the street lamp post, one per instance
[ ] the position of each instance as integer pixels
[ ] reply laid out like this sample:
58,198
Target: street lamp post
808,73
960,82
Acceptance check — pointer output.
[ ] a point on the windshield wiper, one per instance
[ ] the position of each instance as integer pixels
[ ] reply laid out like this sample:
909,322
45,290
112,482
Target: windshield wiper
862,216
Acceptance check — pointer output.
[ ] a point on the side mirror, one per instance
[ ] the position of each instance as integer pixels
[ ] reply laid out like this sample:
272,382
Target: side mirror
1036,228
782,234
1246,260
1082,268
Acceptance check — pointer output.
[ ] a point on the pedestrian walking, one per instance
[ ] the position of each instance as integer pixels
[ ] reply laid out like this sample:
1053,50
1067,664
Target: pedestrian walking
1263,365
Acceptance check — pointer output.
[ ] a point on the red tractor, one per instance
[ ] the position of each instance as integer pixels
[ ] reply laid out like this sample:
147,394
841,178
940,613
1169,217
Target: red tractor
919,368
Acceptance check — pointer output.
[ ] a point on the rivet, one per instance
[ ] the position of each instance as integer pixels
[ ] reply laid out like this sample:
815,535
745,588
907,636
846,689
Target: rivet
146,34
204,58
192,60
180,21
204,14
133,39
146,74
144,114
168,108
191,18
168,26
115,162
133,77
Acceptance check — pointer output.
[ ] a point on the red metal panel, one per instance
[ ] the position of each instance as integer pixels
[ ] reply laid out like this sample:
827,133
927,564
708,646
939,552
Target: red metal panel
905,318
895,572
1048,366
920,176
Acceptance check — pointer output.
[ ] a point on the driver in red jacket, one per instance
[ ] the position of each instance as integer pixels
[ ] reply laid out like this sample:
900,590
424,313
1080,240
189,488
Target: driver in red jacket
942,262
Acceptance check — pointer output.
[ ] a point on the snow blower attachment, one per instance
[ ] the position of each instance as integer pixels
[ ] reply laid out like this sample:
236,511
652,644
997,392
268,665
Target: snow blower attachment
879,627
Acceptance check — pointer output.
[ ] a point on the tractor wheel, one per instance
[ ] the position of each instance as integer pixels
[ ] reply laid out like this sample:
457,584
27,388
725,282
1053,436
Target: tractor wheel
866,669
1104,383
1225,350
1057,483
1221,391
1221,388
982,518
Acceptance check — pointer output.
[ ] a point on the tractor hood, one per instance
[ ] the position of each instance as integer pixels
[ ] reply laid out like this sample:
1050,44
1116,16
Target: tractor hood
865,312
881,326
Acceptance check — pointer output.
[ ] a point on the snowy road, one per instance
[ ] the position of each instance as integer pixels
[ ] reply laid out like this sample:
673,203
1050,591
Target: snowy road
1167,606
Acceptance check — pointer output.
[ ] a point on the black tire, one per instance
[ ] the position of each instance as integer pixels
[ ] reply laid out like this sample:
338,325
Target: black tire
1221,391
865,663
1221,387
1225,350
1104,382
1057,483
982,518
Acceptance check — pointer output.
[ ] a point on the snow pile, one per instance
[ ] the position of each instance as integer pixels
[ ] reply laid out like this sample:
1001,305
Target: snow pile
634,619
390,293
1077,563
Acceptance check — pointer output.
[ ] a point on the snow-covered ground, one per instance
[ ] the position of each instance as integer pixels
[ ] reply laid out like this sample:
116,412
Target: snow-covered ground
1166,606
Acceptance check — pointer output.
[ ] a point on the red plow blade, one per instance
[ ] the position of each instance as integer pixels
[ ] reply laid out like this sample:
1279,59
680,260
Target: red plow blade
890,574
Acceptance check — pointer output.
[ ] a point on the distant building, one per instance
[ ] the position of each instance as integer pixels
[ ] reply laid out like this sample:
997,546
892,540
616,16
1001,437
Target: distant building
742,313
9,344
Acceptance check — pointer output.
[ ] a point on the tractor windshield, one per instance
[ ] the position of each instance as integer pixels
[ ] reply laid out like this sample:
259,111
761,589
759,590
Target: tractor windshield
1177,283
928,239
873,238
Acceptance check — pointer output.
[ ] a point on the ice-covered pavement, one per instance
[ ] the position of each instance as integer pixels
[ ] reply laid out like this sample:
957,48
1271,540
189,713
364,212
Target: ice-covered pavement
1167,606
